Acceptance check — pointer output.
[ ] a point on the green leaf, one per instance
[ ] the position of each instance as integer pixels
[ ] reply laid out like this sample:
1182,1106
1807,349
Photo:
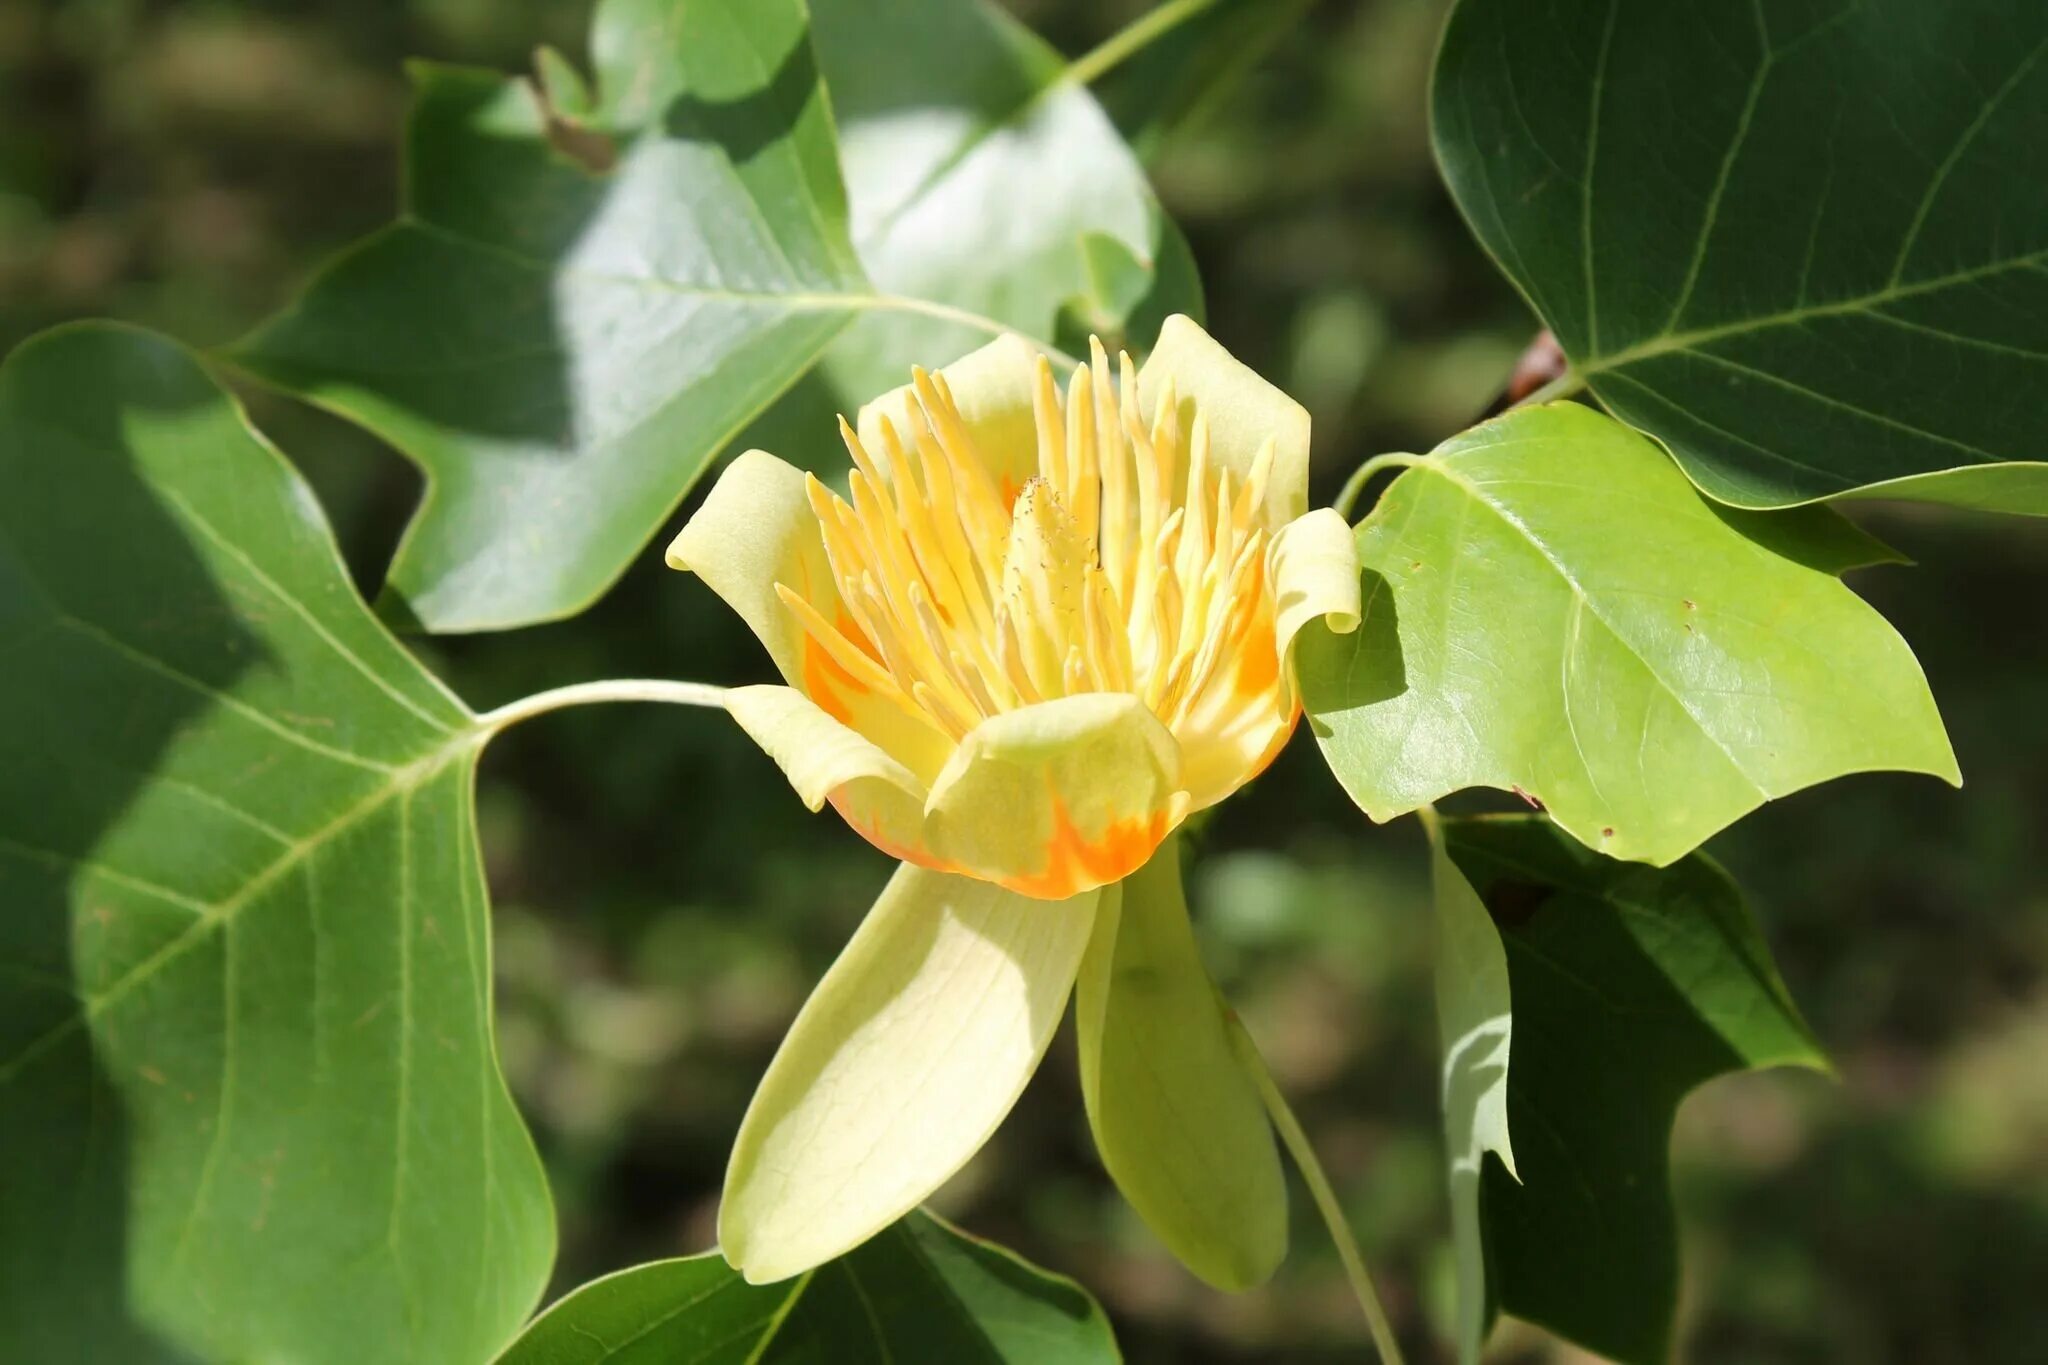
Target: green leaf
1632,986
1575,623
949,199
1475,1028
569,319
246,1049
587,296
920,1290
1803,244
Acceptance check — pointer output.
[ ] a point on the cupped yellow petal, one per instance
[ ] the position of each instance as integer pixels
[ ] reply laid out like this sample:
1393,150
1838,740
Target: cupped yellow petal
904,1060
1179,1125
1243,412
1006,542
1059,797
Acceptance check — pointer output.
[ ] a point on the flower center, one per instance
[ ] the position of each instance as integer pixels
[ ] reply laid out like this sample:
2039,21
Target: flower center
1125,563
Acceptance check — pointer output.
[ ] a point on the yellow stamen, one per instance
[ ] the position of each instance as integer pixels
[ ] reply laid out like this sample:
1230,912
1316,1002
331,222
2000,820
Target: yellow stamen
1129,561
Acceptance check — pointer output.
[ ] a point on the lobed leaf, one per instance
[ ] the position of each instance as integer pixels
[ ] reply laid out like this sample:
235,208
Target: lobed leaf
254,1110
1631,987
1551,609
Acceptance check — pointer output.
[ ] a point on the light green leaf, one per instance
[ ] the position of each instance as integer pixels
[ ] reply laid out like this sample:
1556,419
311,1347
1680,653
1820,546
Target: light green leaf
1475,1027
1180,1126
1632,986
921,1291
588,296
246,1055
948,190
1803,244
1576,623
898,1068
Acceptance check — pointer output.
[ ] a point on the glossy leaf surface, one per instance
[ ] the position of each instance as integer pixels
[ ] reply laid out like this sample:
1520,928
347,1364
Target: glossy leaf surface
1803,244
253,1106
1551,609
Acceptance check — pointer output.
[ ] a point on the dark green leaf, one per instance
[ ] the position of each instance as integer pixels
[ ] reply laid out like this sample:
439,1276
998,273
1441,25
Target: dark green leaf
1804,243
589,295
920,1291
979,175
245,1024
1576,623
1631,987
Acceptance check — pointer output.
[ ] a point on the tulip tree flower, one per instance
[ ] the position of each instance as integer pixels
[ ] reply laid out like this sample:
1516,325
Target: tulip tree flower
1044,628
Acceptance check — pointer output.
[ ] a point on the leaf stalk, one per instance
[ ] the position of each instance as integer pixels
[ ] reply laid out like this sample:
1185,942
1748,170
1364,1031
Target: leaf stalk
1323,1193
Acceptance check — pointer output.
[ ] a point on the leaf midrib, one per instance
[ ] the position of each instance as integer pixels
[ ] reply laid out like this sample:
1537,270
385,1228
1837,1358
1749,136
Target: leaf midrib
1589,605
793,300
1668,343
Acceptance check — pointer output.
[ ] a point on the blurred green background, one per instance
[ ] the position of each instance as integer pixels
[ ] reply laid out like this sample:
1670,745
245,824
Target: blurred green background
664,901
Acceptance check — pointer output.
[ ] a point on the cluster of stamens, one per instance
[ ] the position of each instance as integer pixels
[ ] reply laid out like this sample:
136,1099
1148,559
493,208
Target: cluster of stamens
1126,564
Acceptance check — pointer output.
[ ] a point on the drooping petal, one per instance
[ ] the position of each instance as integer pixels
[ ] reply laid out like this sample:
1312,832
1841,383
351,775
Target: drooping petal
1315,572
907,1055
1242,411
826,761
1178,1123
992,391
1058,797
757,529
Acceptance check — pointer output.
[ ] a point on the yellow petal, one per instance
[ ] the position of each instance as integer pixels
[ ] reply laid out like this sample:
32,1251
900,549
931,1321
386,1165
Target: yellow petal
1058,797
756,530
908,1054
1315,573
992,389
1179,1124
1242,410
826,761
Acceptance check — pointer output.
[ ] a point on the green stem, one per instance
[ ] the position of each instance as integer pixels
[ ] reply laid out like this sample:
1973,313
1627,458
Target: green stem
609,689
1134,37
1354,487
1325,1196
1564,386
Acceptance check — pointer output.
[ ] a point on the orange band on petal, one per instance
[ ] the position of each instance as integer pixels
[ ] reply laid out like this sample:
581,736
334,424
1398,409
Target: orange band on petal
1073,862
